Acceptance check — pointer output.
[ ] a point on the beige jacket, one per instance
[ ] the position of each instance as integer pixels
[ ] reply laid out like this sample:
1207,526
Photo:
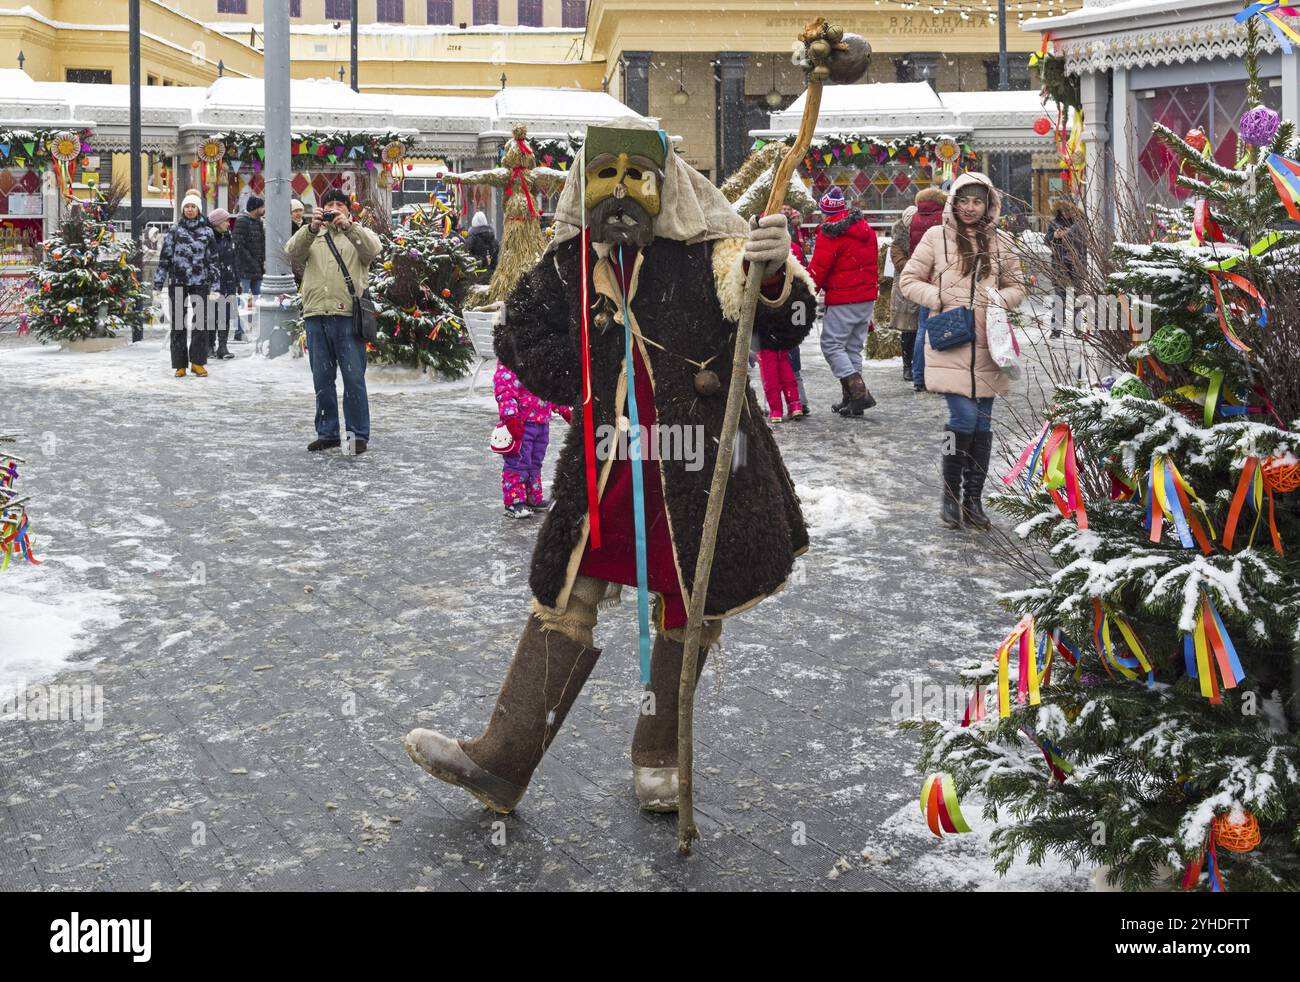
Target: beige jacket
324,292
967,370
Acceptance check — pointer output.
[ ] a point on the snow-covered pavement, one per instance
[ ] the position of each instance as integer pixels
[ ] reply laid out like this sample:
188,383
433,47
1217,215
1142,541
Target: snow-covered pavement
265,624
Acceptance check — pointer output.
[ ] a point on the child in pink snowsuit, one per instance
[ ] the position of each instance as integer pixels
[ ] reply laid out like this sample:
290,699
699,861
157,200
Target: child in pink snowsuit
777,373
528,419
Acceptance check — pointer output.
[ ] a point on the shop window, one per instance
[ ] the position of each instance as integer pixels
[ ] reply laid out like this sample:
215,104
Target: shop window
232,6
573,13
439,12
485,12
1017,71
338,9
390,11
1215,107
530,13
920,66
96,76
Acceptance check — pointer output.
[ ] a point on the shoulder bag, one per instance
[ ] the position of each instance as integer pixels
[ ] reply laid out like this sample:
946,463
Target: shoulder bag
365,318
956,327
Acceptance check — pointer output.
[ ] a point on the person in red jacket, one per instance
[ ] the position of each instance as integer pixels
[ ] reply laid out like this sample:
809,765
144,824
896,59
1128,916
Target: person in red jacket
929,213
844,267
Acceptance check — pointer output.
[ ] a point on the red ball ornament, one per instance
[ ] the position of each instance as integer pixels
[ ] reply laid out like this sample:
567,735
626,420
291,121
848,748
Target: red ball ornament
1042,126
103,276
445,293
1196,139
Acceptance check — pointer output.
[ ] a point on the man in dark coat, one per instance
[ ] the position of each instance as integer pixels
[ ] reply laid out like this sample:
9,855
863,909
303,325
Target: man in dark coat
665,246
482,242
250,245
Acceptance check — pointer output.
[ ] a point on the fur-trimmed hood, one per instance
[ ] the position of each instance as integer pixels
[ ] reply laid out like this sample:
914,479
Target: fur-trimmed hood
845,225
994,210
938,195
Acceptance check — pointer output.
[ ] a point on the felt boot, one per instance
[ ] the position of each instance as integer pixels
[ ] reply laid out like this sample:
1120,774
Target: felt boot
953,465
544,679
654,744
858,397
844,396
975,469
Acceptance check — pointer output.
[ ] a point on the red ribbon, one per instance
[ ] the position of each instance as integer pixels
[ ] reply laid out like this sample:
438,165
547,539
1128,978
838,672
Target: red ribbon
523,184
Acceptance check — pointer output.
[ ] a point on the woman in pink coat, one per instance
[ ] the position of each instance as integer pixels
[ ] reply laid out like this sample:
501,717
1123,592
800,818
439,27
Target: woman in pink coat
965,248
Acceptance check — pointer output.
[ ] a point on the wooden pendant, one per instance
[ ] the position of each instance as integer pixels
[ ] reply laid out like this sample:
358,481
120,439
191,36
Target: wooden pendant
707,382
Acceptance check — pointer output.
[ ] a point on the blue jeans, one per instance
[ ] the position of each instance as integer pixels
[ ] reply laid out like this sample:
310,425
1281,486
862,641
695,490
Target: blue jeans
251,285
918,353
967,415
330,344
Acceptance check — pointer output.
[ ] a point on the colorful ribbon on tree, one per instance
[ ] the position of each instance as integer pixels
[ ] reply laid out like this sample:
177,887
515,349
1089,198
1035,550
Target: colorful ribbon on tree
1254,485
1106,650
1171,497
1192,875
1208,645
1053,457
1270,12
1051,643
939,805
1286,178
1022,636
1059,766
1204,227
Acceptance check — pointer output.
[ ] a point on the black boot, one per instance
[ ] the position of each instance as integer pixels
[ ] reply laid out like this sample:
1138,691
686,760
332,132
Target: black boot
908,341
844,396
858,399
975,470
950,514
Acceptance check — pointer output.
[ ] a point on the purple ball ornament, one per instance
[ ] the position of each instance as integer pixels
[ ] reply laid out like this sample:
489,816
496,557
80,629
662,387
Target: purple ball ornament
1088,680
1258,126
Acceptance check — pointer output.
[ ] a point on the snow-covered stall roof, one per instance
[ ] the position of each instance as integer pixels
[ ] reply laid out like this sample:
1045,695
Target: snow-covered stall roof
991,120
173,115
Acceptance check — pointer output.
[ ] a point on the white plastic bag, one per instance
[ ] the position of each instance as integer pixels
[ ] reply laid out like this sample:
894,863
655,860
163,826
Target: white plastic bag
1003,345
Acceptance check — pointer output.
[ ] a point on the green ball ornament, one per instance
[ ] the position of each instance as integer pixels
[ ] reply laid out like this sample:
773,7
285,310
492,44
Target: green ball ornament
1172,345
1130,385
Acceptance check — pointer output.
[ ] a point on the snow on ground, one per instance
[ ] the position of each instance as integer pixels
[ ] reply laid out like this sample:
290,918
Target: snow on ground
829,509
45,627
962,861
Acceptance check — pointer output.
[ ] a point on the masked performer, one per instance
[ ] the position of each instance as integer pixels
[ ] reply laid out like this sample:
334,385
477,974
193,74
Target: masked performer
630,317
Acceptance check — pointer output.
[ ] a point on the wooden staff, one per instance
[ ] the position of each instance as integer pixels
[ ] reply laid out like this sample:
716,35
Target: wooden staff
845,61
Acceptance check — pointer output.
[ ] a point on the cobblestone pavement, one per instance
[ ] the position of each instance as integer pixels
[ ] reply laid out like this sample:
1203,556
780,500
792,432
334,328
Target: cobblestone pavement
283,618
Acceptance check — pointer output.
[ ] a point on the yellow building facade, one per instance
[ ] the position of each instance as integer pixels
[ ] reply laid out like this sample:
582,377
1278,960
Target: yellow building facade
709,73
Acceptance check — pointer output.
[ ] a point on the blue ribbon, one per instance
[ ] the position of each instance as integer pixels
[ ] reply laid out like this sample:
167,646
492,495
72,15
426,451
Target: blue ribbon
1257,9
638,490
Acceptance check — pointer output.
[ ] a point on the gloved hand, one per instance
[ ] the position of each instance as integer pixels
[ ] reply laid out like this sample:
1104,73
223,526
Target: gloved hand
515,425
769,242
566,413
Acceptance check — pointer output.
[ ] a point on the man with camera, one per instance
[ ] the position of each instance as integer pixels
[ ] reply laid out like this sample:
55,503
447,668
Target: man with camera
335,254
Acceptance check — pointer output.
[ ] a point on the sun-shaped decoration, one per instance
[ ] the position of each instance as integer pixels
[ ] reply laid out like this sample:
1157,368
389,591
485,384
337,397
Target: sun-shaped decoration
947,153
212,150
65,147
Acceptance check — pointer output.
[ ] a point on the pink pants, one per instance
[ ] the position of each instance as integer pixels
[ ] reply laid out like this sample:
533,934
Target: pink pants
778,380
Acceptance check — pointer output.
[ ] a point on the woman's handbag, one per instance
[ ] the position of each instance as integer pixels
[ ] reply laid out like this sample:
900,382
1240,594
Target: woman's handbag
365,318
955,327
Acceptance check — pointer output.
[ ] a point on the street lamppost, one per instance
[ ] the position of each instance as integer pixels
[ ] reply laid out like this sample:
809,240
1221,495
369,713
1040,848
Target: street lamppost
356,82
137,143
277,173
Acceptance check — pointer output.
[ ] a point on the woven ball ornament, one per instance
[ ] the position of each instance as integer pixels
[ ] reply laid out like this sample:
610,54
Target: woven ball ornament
1240,836
1172,345
1258,126
1281,475
1129,385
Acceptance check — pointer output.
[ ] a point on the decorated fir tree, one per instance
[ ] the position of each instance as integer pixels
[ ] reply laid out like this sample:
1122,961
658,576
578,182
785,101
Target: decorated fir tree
1148,699
419,287
87,282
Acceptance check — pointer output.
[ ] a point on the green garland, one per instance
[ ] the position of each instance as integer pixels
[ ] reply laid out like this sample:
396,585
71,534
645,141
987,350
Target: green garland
317,148
860,150
559,154
1061,88
31,148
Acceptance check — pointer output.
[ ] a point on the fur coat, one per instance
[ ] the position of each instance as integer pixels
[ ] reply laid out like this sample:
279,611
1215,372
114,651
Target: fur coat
684,301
